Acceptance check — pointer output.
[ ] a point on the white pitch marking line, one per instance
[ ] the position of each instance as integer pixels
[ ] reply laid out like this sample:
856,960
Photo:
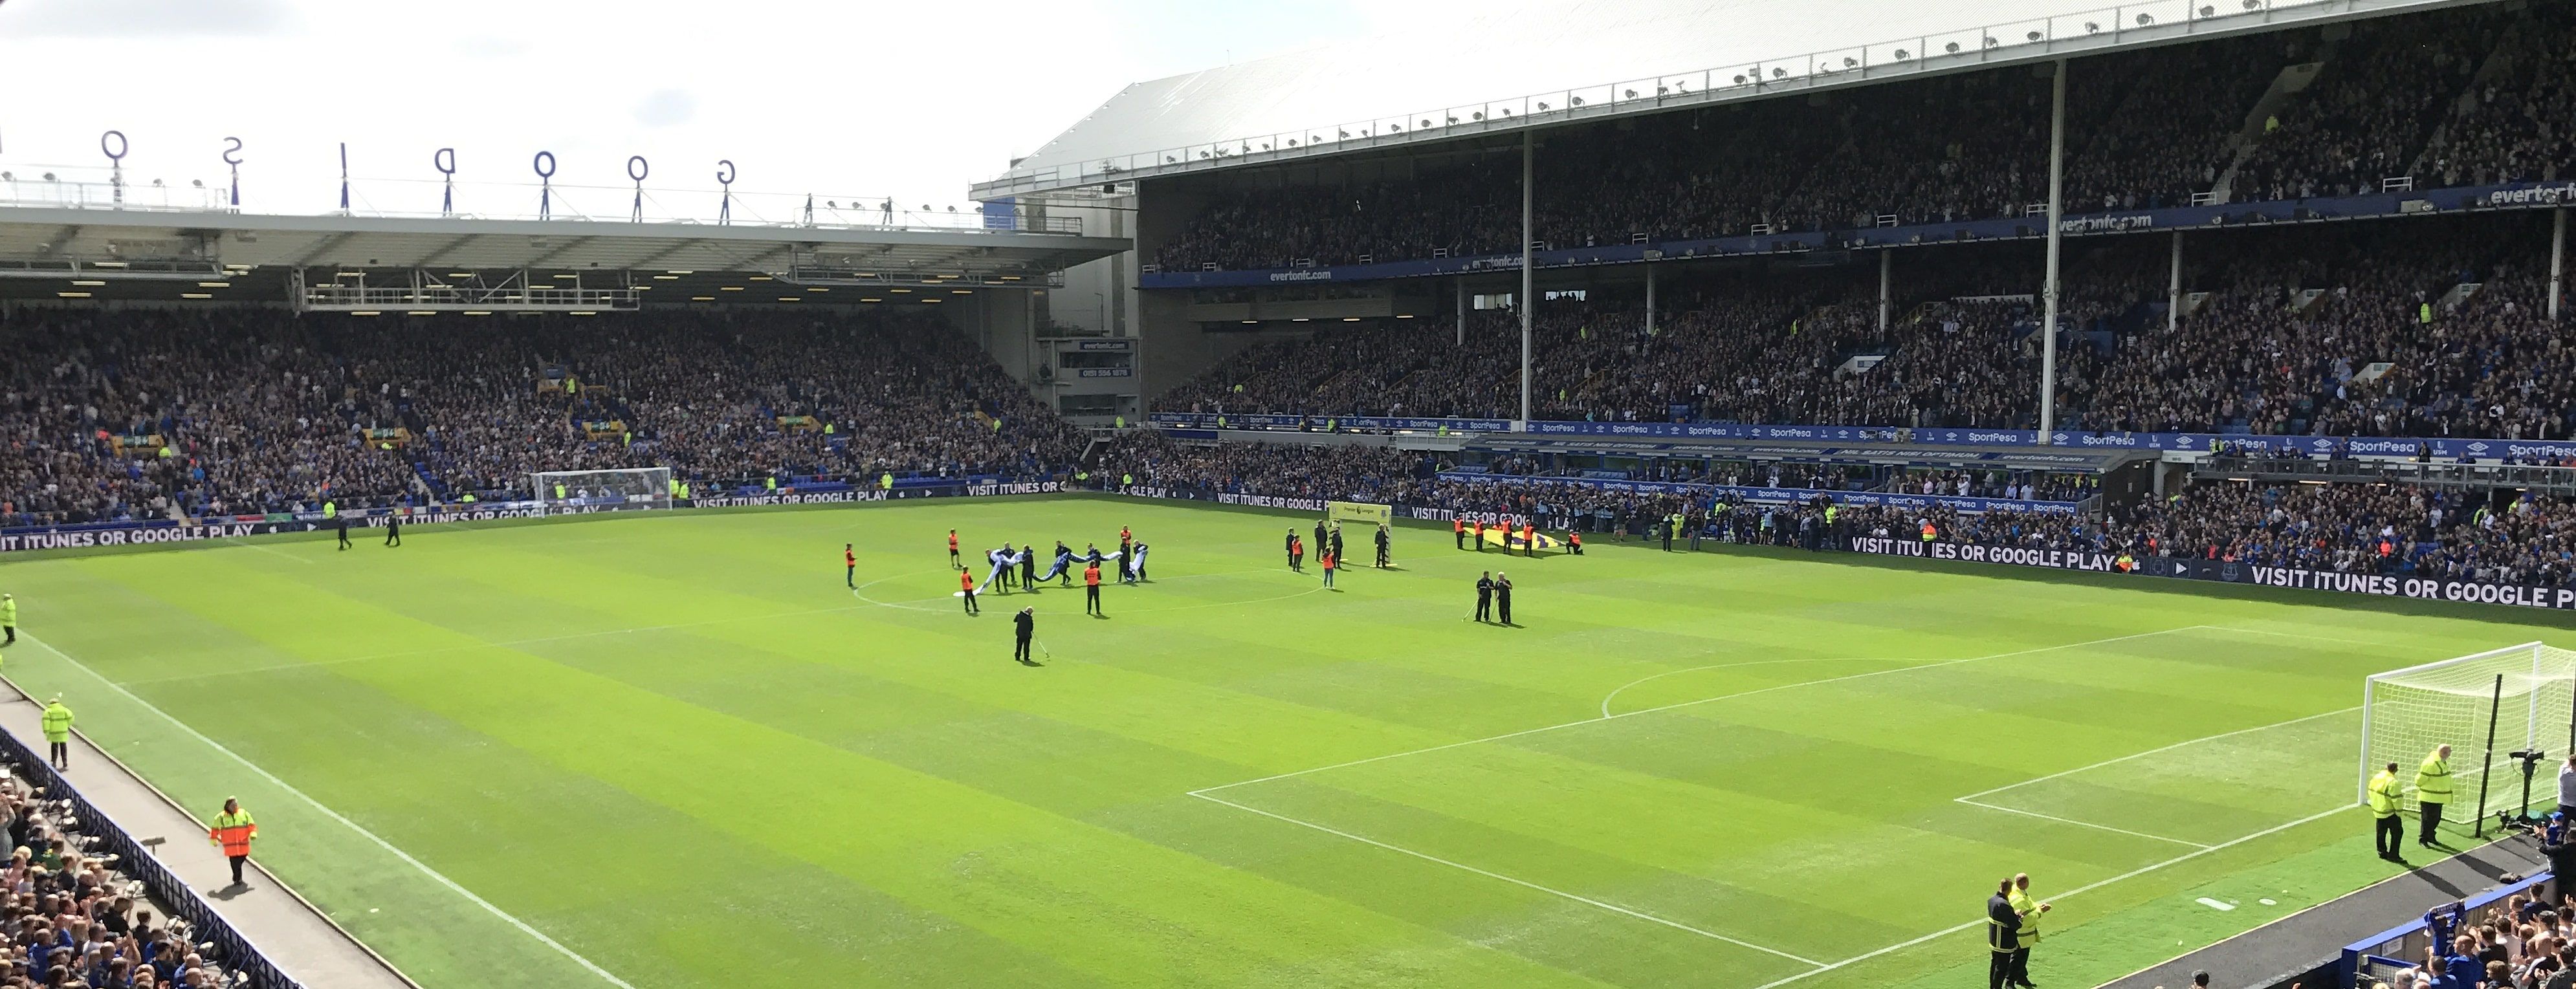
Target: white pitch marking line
509,643
1526,884
1614,694
1683,704
272,551
2088,887
424,868
2295,635
2077,823
2162,748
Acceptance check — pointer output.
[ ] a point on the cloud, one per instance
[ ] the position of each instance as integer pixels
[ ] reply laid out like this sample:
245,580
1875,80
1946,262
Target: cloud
128,19
666,108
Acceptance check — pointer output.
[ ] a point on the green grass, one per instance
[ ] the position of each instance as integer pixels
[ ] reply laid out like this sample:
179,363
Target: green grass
675,746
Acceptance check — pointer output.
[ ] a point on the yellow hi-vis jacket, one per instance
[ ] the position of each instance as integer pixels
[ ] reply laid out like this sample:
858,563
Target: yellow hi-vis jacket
234,832
2384,791
2029,910
2433,781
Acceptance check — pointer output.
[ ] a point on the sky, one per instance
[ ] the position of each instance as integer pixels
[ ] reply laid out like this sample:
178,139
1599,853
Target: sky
854,100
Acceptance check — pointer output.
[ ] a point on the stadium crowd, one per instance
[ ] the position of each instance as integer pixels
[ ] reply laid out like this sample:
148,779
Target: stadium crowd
2452,98
72,920
143,413
2435,328
2528,943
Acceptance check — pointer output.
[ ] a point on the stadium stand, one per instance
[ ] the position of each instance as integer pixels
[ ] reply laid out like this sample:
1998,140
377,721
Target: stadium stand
2458,95
2291,340
143,413
74,914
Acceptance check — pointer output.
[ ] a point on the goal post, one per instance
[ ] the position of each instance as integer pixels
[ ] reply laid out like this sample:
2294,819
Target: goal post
625,487
2519,698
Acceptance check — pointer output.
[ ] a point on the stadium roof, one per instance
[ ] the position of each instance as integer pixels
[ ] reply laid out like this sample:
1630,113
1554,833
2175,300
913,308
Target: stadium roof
1576,60
132,250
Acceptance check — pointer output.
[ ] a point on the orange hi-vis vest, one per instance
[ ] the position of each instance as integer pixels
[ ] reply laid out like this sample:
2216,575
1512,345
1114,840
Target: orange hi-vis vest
1574,538
1927,532
1478,528
952,542
1457,524
1091,575
234,832
966,582
849,558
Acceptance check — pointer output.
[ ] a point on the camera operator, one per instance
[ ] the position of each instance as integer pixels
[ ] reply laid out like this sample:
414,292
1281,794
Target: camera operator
2554,841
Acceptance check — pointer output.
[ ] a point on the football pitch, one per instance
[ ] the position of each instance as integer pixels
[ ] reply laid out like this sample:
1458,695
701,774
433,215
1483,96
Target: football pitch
674,750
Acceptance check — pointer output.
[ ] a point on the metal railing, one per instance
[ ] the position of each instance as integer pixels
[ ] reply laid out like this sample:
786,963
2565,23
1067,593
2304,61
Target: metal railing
90,187
231,949
2556,480
39,185
1903,56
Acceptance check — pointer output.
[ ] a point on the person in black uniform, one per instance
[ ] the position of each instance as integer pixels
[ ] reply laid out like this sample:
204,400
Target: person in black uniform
393,530
343,524
1503,597
1666,526
2003,936
1025,626
1028,567
1323,539
1383,542
1337,543
1289,546
1485,597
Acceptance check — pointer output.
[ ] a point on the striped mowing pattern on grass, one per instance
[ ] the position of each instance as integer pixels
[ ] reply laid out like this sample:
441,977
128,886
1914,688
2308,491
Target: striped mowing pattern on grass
678,751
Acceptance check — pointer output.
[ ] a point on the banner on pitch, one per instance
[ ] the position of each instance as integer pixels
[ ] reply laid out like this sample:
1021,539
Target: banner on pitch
1359,511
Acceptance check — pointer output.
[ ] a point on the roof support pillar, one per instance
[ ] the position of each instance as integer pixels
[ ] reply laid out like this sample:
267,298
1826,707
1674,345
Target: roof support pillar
1529,155
2048,292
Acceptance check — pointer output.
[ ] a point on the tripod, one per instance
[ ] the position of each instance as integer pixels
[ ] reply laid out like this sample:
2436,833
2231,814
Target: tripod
2531,760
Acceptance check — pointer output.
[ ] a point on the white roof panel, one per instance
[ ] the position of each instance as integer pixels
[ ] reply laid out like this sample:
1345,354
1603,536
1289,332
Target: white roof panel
1507,63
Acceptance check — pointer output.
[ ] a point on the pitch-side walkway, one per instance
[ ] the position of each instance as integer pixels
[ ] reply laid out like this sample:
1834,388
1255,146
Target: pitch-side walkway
2280,950
290,931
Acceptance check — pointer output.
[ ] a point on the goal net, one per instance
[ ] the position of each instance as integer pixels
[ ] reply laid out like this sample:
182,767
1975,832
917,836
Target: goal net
2525,693
630,487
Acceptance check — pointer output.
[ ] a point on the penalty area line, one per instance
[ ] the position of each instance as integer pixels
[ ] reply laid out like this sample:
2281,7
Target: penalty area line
2086,888
1523,883
1936,664
354,826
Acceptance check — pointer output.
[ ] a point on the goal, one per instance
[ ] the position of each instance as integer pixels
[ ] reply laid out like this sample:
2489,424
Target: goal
2484,706
579,490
